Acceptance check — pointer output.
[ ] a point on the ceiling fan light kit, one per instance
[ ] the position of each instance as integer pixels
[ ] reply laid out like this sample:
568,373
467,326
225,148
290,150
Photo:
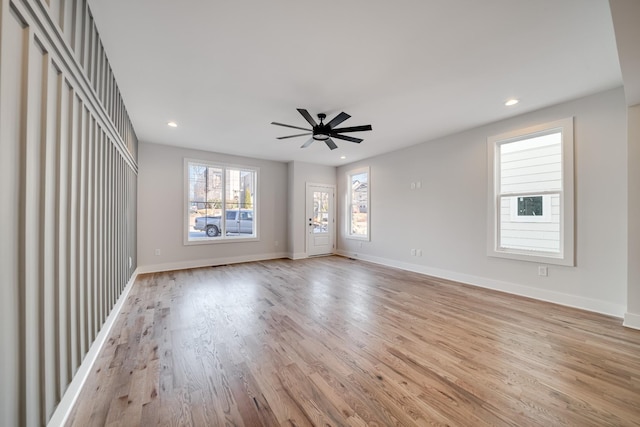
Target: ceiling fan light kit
325,131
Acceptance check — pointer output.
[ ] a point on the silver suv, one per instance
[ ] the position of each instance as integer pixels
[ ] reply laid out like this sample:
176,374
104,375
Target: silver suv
236,221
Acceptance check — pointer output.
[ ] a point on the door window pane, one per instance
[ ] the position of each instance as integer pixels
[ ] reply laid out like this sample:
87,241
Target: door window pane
320,211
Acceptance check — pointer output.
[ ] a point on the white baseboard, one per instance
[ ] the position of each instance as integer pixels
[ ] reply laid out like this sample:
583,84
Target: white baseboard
63,410
631,320
298,255
183,265
575,301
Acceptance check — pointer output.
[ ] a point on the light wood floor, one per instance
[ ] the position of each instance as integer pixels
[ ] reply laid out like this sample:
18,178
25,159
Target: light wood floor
331,341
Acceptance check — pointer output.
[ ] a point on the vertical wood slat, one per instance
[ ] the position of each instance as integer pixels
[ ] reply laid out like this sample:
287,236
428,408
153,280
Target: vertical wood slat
31,264
95,229
54,11
15,48
88,49
68,246
82,235
49,235
79,38
103,76
67,21
100,281
45,239
61,234
91,231
113,221
108,259
73,222
117,192
95,56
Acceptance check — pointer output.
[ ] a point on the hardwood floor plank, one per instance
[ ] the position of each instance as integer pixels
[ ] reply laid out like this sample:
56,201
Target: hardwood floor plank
338,342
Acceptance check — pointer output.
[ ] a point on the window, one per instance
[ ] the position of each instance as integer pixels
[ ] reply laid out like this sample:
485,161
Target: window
530,209
213,189
358,204
531,194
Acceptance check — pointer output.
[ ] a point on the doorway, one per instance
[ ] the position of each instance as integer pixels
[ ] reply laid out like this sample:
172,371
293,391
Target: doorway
320,213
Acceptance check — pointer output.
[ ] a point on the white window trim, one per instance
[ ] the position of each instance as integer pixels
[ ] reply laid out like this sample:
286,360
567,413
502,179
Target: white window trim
566,256
349,174
185,203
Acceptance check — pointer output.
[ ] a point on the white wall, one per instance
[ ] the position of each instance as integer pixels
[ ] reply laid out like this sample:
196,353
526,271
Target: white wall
446,218
161,210
300,174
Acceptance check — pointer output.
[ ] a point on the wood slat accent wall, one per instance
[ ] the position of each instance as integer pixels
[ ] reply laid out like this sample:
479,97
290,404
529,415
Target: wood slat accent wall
68,179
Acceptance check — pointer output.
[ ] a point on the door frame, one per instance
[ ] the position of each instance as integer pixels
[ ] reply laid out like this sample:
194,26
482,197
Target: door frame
332,227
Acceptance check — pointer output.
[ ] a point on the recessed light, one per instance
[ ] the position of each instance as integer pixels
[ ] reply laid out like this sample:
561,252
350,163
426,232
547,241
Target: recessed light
511,102
172,124
343,157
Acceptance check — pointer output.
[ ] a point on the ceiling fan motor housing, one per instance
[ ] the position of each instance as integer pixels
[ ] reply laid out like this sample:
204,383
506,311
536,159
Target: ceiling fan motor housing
321,131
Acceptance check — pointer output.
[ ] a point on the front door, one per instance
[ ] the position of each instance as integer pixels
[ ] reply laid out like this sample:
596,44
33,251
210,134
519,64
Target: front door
320,221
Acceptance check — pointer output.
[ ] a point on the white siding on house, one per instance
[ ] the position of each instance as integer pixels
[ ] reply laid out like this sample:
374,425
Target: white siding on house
530,236
531,165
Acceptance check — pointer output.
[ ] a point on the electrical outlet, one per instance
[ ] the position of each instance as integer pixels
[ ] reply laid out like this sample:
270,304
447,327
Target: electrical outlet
157,252
413,252
413,185
418,252
419,185
542,270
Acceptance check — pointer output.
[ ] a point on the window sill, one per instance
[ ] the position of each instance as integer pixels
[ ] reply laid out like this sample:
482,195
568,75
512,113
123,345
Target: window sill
360,238
540,258
214,241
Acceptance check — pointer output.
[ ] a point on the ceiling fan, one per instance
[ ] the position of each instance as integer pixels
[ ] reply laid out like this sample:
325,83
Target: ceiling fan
325,131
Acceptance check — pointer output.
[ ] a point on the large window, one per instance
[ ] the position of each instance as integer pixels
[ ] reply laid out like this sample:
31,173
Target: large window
358,204
220,202
531,194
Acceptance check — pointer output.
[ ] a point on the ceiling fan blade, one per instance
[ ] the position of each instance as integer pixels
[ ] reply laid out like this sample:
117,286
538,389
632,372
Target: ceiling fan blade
347,138
338,119
293,136
308,143
332,145
353,129
289,126
307,116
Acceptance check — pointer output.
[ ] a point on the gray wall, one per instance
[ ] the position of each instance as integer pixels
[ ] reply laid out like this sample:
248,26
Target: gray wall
67,201
161,210
447,217
625,21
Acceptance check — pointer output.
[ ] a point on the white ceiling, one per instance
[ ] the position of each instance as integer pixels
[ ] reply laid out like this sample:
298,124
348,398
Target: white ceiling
413,69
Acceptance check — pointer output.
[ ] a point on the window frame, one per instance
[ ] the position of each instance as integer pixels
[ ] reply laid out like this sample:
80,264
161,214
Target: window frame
349,179
566,255
223,238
